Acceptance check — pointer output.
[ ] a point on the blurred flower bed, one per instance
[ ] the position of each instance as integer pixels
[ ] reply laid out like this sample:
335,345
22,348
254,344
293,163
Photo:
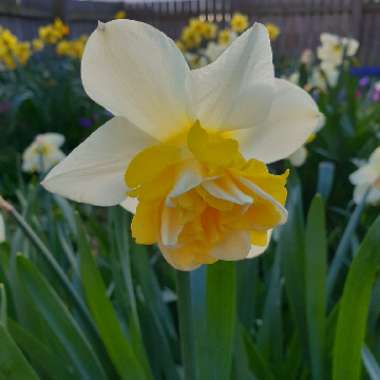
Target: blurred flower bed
73,270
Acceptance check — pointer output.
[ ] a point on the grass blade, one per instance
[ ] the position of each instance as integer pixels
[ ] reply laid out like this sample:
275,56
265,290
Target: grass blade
315,279
354,305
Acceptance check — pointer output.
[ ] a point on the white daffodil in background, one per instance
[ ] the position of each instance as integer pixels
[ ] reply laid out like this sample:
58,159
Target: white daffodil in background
367,177
333,48
43,153
188,148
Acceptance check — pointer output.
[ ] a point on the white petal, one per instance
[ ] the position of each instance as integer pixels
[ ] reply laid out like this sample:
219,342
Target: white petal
94,171
235,246
257,250
236,90
171,226
374,196
364,175
52,138
130,204
134,70
190,176
293,117
224,188
359,192
298,158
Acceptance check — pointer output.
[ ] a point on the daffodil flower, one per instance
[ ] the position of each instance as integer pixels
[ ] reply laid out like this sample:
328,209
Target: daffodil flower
43,153
187,150
367,179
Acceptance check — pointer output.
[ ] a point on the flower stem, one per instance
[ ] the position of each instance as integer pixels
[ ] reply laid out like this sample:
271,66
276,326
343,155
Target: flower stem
185,324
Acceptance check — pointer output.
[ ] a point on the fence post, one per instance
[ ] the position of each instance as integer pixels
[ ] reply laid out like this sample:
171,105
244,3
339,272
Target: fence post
356,15
59,9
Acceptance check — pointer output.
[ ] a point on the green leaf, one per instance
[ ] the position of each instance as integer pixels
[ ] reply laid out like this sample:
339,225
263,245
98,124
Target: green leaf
13,365
58,319
315,271
353,311
259,367
40,355
3,306
118,347
214,353
293,251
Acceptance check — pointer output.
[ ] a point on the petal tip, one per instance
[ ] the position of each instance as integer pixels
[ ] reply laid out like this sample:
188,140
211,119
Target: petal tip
101,26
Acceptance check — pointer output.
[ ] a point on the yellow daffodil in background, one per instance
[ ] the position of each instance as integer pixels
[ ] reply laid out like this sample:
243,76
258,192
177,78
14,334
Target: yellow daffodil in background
226,36
187,150
367,178
72,48
53,33
119,15
43,153
273,31
191,38
239,22
209,30
12,51
37,44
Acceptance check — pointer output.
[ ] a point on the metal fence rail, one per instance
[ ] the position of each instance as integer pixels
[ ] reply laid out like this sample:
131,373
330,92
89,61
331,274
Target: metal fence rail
301,21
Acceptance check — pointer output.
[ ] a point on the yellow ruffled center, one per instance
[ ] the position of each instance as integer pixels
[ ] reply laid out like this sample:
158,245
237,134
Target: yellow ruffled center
196,190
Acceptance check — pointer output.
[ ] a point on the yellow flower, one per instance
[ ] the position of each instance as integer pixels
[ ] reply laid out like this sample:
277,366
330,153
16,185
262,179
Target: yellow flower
190,38
73,49
209,30
239,22
9,39
224,37
189,148
120,15
37,44
22,52
53,33
273,31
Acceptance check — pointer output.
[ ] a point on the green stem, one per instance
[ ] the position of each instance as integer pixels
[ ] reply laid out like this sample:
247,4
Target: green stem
344,245
186,324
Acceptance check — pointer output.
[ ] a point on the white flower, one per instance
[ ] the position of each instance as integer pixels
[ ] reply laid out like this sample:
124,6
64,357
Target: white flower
367,177
188,147
2,229
333,48
43,153
321,78
195,60
298,158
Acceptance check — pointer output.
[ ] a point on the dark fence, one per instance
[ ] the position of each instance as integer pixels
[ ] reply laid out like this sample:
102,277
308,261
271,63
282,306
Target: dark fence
301,21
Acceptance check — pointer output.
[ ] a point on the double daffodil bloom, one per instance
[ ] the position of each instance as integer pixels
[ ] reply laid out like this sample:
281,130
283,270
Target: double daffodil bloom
188,148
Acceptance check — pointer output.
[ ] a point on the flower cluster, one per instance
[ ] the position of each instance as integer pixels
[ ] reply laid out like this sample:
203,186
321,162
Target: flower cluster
53,33
72,48
12,51
203,41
